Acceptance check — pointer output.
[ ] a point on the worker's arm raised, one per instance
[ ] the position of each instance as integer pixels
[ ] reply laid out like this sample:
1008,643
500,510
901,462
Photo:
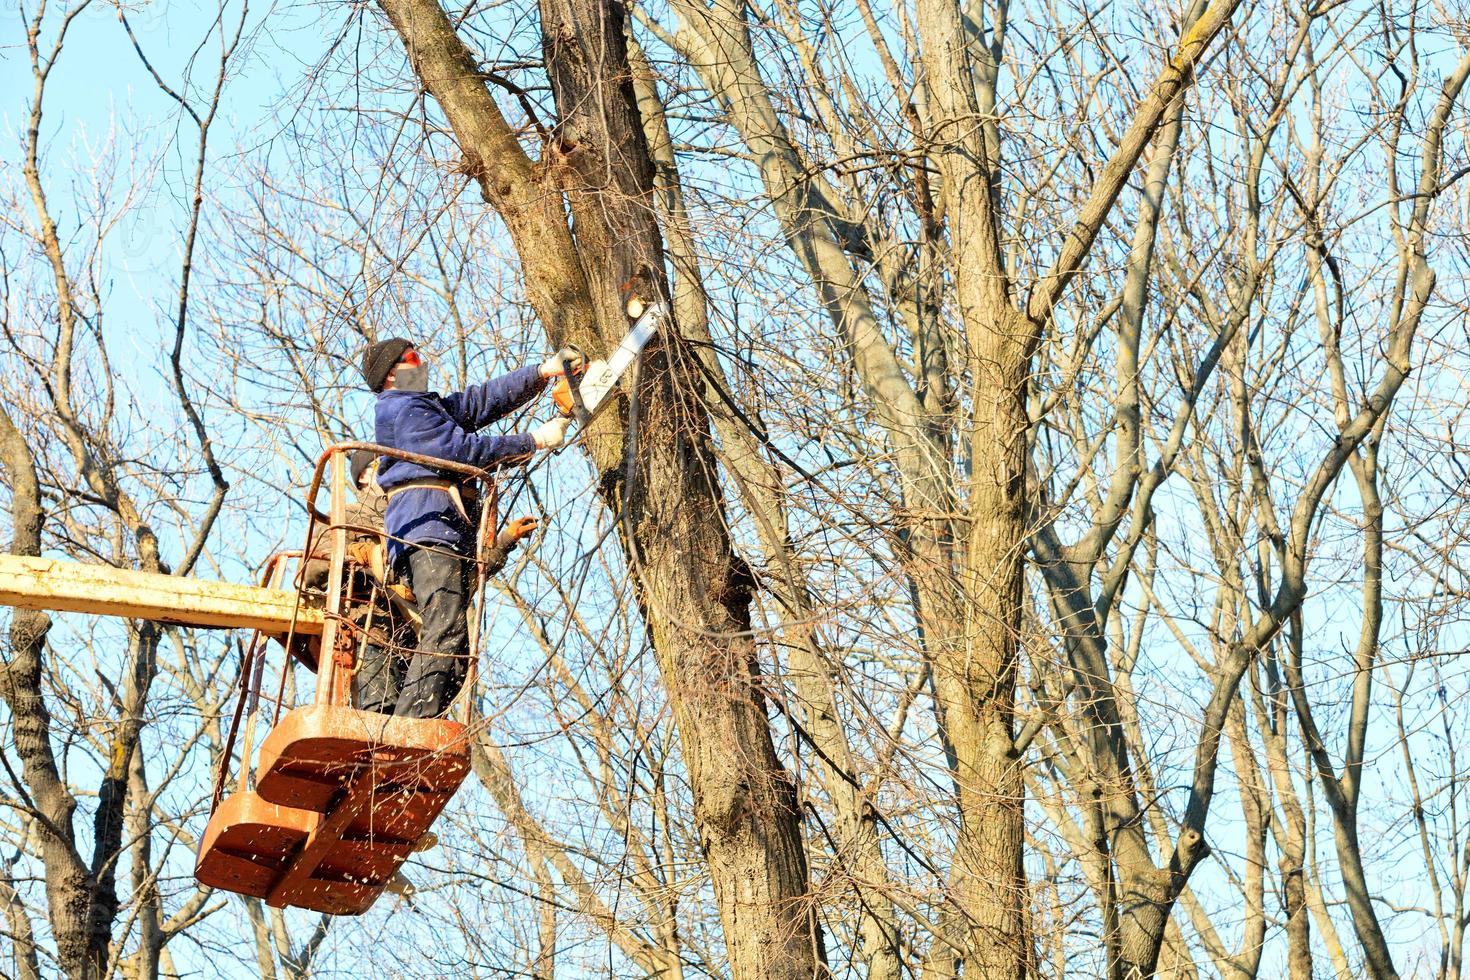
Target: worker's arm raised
435,433
479,405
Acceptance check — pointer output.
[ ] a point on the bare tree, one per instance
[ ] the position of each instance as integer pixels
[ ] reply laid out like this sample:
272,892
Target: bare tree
660,481
82,483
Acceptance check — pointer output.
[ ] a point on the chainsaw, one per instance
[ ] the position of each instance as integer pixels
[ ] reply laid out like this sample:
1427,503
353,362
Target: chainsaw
583,396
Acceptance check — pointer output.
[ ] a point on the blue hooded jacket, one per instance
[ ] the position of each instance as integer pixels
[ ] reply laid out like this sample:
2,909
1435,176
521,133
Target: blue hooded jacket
444,426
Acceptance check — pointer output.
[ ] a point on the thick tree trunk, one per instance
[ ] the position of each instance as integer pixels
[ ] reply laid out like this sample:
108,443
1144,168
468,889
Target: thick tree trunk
975,673
693,590
977,679
69,885
811,695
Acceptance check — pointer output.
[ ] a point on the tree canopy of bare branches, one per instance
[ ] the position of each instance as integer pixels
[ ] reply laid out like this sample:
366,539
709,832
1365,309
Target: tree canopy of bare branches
1035,547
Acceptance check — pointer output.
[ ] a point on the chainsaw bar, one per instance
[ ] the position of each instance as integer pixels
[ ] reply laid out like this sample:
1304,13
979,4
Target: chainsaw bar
594,389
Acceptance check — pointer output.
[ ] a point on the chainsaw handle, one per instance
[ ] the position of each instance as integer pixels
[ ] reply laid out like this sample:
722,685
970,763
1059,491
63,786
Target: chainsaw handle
566,393
566,362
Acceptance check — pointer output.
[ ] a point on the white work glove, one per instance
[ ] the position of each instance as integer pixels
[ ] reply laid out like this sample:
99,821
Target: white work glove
551,435
556,364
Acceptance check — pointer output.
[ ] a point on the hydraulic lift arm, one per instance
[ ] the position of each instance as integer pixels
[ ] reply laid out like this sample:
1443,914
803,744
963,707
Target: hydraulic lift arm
99,590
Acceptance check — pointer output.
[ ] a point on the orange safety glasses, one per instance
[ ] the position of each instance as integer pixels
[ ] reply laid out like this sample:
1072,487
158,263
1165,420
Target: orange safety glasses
411,358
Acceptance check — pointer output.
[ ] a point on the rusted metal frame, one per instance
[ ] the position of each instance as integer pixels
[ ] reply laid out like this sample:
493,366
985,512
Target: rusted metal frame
328,684
252,667
434,462
324,836
337,521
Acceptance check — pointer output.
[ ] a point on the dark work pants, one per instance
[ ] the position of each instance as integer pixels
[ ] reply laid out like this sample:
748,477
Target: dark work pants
441,583
379,675
380,669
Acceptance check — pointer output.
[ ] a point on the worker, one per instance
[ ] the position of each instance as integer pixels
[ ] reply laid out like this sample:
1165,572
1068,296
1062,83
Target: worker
387,623
432,514
380,673
364,523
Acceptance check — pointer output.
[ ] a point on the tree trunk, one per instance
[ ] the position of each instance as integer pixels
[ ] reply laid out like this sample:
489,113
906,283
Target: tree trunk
1298,925
69,886
24,960
693,590
975,672
811,695
148,903
977,680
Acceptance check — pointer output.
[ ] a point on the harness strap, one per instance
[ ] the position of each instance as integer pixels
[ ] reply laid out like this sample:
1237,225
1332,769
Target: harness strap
434,483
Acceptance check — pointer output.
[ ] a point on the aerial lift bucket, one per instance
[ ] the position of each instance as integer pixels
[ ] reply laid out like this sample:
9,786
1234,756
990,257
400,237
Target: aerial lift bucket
342,796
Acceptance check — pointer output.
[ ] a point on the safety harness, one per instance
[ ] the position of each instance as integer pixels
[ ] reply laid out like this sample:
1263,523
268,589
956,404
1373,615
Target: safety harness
437,483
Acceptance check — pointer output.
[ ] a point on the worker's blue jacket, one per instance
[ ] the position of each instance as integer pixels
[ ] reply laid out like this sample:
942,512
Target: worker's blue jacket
443,426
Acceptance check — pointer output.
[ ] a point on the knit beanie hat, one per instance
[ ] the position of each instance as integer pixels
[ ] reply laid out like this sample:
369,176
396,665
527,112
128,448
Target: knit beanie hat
380,358
360,460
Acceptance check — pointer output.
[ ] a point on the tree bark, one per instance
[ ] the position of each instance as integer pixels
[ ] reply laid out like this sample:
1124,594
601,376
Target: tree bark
69,885
148,903
24,960
975,672
810,665
976,678
693,590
